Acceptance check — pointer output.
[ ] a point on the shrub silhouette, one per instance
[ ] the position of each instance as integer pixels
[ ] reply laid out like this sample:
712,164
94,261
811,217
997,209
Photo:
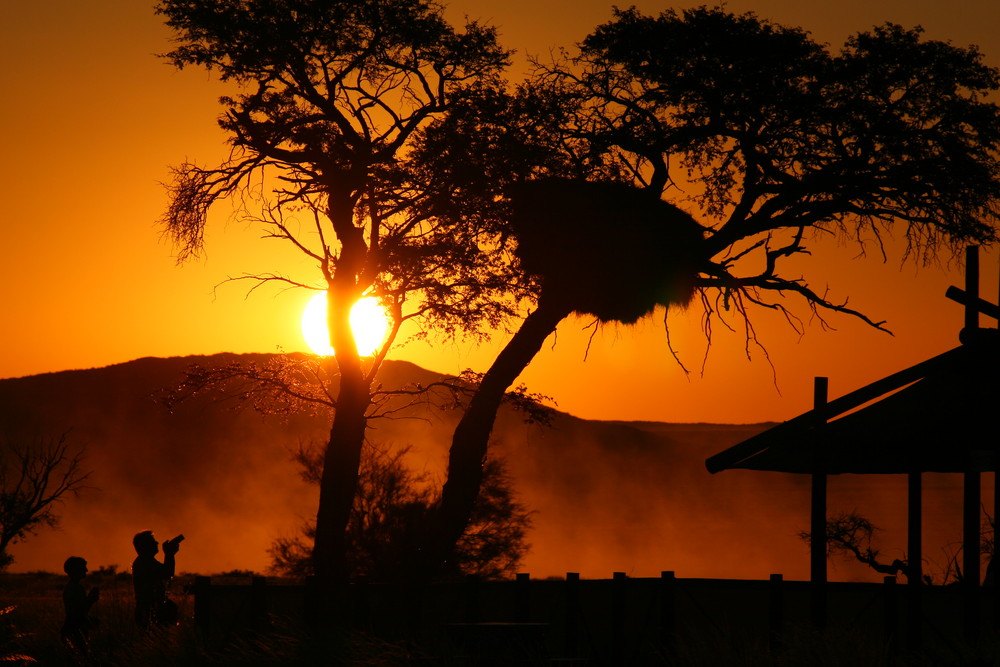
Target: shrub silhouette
391,513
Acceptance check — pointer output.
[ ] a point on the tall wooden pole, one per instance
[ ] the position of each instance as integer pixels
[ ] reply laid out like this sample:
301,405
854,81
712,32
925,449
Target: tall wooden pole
972,483
995,585
914,550
972,287
970,548
994,591
817,554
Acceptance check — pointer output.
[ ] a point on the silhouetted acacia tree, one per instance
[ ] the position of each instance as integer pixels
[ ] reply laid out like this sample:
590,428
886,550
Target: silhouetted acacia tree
851,535
390,513
331,96
767,138
34,477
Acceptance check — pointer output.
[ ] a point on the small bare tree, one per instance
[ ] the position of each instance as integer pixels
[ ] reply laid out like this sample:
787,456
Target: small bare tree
33,479
850,534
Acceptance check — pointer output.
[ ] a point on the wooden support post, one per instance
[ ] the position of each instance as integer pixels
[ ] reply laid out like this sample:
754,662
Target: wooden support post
971,287
817,570
914,557
994,583
990,569
972,483
972,491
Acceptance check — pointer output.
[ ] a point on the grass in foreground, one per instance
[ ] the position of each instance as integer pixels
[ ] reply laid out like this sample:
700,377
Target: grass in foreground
31,615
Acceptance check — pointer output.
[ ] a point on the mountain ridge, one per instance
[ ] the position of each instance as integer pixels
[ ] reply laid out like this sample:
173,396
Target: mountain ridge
608,495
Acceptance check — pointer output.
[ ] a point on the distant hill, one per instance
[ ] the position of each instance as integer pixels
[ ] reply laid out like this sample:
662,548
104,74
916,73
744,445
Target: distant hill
608,496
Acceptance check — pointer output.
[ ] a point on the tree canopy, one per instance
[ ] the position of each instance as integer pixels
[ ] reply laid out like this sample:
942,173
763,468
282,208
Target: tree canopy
331,95
768,138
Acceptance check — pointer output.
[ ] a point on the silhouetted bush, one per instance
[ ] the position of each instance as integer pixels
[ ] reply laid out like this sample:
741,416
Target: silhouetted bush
390,517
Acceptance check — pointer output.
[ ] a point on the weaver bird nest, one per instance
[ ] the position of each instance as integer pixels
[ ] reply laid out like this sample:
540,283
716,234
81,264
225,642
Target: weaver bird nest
609,250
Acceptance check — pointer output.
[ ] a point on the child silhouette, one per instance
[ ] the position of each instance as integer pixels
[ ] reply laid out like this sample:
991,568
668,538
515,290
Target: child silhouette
77,603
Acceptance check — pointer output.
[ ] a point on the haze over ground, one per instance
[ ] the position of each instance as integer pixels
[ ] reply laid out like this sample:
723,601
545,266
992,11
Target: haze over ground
606,496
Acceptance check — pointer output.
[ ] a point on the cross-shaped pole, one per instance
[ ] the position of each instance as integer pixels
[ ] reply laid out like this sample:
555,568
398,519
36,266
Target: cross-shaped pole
969,297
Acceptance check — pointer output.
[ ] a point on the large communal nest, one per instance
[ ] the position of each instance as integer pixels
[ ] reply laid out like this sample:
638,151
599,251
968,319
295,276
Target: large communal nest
610,250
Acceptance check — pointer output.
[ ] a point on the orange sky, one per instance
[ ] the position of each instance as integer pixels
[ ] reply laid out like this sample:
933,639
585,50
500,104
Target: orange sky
91,119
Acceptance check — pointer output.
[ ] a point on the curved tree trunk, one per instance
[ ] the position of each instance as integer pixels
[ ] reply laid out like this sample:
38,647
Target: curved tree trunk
471,438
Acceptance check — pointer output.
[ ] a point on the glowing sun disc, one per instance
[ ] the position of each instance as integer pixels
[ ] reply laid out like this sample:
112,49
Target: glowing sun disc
368,322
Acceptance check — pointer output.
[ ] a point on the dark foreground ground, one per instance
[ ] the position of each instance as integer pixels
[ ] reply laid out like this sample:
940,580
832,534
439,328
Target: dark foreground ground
31,615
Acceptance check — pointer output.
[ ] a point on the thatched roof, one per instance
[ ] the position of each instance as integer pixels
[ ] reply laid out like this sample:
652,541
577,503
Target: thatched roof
938,416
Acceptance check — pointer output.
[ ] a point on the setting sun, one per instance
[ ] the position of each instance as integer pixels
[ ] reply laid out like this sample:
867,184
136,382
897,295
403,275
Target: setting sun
368,321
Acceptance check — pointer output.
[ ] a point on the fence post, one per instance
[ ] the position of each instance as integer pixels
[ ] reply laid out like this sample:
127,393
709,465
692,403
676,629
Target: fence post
972,479
202,602
775,612
618,611
310,599
361,603
473,612
258,603
668,610
522,597
572,613
914,572
891,619
817,520
991,574
972,492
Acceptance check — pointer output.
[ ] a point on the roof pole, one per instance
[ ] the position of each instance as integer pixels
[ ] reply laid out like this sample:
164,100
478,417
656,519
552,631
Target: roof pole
914,560
817,554
972,287
991,575
970,549
972,483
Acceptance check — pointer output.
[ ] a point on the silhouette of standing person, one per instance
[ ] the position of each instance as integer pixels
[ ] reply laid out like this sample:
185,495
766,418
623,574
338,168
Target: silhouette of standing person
77,603
150,579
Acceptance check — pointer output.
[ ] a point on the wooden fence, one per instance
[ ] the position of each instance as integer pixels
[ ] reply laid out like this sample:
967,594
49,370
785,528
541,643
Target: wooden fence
617,621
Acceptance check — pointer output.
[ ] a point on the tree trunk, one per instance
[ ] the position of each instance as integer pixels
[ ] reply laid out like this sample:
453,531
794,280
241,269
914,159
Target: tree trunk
471,438
342,459
339,480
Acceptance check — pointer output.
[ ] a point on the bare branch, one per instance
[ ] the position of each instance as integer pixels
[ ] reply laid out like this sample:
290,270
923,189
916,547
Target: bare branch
34,478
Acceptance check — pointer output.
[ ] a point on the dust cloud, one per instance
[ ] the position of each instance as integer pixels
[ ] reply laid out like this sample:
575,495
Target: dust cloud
606,496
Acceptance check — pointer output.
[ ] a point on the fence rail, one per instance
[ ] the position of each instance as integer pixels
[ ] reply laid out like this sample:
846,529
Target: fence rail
621,620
